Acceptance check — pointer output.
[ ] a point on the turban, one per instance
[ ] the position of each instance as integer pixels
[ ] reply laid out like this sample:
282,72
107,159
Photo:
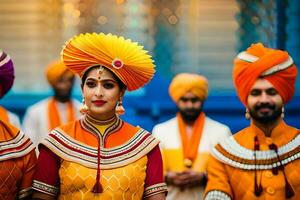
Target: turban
126,59
55,70
185,82
6,72
276,66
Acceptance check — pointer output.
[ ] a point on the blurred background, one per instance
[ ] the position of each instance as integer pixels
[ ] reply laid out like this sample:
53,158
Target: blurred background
200,36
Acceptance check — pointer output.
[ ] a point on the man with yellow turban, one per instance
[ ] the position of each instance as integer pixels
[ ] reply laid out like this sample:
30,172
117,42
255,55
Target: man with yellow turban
7,77
49,113
262,160
187,138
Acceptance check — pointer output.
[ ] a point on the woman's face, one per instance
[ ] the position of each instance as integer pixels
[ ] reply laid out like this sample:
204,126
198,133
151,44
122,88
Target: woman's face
102,93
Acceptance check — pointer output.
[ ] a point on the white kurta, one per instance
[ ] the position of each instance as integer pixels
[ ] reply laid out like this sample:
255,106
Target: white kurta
36,122
171,145
14,119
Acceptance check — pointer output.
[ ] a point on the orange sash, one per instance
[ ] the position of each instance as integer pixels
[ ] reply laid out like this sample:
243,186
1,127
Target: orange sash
3,114
190,145
53,115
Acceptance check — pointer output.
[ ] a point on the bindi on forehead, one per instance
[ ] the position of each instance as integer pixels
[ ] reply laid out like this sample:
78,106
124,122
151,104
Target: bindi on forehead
100,72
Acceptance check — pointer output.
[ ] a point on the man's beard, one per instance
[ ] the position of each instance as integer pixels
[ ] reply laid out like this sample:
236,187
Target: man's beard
268,117
190,115
62,96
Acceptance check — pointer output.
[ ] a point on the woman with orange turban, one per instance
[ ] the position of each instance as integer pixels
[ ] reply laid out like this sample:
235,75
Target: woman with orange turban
100,156
262,160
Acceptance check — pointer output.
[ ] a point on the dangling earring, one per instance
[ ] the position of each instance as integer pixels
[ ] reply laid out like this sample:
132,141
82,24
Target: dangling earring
247,114
120,110
282,112
84,108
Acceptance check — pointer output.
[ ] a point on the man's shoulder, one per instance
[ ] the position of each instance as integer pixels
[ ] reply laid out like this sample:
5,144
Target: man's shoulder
38,105
215,125
166,124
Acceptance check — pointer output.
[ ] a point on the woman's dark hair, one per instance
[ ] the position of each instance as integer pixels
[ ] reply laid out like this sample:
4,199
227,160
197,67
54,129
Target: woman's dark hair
84,77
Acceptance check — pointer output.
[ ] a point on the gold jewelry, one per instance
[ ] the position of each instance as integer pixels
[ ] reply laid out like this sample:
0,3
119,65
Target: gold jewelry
84,108
120,110
247,114
188,163
282,112
100,71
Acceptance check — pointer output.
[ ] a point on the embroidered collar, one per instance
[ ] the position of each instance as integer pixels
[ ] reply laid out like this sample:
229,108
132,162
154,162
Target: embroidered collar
90,119
72,150
88,124
241,155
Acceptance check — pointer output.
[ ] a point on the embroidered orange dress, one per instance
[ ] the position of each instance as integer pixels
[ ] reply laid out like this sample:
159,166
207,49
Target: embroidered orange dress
234,165
130,161
17,163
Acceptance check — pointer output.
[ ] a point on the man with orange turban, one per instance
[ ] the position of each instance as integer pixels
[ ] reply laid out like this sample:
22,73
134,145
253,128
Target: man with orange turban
186,139
260,161
7,77
49,113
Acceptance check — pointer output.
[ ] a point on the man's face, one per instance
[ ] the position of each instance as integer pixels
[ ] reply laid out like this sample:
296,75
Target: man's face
264,102
63,86
190,106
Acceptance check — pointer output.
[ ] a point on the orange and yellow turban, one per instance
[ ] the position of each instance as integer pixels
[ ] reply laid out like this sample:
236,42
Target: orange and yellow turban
55,70
186,82
126,59
276,66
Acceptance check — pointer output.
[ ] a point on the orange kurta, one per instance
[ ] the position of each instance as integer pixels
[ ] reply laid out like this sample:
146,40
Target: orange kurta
17,163
124,162
231,170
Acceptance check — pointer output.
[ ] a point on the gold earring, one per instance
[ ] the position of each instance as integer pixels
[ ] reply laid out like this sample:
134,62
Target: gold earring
247,114
282,112
120,110
84,108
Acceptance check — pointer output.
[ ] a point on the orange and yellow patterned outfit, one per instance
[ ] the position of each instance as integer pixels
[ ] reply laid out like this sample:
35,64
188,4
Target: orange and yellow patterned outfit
17,163
231,170
130,161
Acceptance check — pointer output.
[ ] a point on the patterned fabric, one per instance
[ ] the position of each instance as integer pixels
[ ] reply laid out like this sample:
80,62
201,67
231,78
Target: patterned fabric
118,183
155,189
13,143
16,176
217,195
68,162
233,160
45,188
69,149
233,154
17,162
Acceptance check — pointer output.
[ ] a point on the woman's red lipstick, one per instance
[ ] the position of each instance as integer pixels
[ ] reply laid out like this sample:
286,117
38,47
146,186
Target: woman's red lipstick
99,102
